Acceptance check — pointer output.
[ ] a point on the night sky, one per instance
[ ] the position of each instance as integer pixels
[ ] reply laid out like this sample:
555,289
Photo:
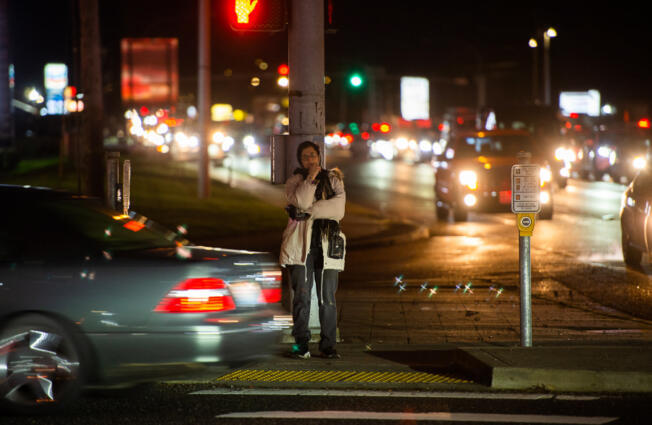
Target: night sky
607,48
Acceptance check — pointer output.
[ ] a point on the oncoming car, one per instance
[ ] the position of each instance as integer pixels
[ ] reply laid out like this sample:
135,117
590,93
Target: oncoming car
92,297
474,173
636,218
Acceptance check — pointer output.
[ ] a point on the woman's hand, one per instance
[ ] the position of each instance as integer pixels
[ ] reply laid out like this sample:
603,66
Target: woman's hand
313,171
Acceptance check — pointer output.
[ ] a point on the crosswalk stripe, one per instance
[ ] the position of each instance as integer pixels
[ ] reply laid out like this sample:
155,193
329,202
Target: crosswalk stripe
427,416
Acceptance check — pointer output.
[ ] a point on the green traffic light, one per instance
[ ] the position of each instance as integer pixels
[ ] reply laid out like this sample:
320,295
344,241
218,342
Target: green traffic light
355,80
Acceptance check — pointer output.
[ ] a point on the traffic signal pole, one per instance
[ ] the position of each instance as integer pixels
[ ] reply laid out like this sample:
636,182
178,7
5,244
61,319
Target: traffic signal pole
203,97
306,61
306,109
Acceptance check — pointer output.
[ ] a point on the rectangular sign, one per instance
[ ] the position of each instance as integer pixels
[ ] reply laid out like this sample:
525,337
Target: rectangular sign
526,188
150,74
55,80
585,102
415,98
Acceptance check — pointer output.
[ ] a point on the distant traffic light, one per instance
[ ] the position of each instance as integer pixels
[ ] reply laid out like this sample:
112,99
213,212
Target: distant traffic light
257,15
283,69
356,80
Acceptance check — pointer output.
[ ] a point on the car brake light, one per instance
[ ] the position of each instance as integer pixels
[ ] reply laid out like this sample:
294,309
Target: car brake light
270,283
198,295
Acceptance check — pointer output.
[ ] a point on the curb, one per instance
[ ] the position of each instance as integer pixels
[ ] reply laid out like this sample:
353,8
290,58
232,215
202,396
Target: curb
558,369
397,233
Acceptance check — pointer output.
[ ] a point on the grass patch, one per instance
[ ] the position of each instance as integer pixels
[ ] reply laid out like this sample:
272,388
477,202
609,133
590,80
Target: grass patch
167,193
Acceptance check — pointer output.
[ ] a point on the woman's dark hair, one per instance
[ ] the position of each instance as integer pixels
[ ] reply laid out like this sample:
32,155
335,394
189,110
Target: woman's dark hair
304,145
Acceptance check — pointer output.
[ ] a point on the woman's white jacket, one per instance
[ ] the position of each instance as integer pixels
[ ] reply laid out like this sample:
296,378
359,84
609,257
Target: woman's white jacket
297,234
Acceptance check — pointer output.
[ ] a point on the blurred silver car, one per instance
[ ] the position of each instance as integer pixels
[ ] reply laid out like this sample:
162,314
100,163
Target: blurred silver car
91,297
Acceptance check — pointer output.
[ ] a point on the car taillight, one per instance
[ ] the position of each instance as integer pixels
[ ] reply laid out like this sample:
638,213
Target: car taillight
270,284
199,295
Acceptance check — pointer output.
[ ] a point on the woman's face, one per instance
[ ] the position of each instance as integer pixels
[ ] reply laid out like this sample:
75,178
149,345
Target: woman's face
309,157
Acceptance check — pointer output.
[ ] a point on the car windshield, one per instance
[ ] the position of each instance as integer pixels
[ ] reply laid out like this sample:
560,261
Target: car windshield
506,145
109,229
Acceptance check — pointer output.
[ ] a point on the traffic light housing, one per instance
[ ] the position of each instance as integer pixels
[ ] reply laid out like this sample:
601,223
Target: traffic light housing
257,15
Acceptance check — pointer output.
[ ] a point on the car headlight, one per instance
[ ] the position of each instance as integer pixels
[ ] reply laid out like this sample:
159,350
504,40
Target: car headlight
227,143
565,155
253,149
544,197
469,179
214,150
402,143
425,145
545,175
218,137
604,151
248,140
639,163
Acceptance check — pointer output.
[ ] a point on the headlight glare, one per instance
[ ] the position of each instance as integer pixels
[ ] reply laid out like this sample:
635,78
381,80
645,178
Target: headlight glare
639,163
545,175
469,179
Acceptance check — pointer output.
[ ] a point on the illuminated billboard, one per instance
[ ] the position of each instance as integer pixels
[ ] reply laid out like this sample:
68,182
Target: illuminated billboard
150,73
415,98
55,79
580,102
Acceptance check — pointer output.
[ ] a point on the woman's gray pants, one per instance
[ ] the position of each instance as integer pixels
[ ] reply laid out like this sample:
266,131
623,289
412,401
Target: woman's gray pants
326,284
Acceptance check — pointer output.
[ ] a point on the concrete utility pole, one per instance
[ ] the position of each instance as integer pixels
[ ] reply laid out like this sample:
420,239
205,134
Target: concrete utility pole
92,146
204,97
306,61
306,111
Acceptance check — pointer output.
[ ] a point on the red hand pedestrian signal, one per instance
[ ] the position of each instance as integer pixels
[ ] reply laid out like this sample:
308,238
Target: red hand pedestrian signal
257,15
243,9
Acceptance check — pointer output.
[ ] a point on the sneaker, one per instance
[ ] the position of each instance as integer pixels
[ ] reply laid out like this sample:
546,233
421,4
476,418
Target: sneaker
330,353
300,352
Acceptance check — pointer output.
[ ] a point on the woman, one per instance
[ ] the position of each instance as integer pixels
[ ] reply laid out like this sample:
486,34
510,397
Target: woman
314,247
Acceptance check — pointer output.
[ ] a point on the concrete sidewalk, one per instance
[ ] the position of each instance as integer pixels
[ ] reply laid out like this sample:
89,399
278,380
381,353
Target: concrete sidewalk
539,369
582,364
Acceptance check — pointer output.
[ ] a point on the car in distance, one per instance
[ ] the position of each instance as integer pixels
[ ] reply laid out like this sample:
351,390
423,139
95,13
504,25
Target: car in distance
91,297
627,150
474,173
636,218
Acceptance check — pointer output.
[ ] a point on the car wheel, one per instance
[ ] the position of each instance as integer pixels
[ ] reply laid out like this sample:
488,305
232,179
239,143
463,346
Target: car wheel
631,255
460,215
442,213
40,365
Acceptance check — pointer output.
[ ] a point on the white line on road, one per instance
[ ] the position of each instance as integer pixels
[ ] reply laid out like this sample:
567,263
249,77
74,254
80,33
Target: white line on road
393,394
428,416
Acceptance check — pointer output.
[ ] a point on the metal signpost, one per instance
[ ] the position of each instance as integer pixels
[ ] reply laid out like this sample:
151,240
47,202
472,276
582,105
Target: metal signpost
525,204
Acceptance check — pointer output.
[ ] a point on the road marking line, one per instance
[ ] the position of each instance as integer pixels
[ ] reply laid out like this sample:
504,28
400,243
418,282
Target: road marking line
393,394
428,416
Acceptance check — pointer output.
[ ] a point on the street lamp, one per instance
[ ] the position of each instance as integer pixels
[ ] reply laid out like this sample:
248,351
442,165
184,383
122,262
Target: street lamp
535,70
547,35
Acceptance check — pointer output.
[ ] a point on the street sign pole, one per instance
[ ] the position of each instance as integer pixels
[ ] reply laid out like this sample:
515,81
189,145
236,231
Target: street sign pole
524,263
525,204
